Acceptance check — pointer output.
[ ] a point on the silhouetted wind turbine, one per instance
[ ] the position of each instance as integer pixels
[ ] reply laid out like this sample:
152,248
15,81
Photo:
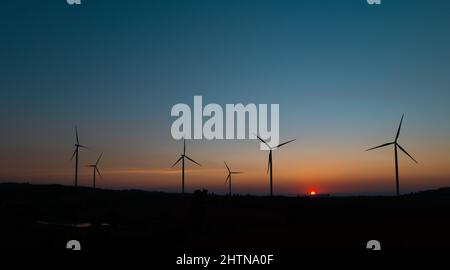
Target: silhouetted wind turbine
95,168
269,167
182,157
396,145
229,177
75,154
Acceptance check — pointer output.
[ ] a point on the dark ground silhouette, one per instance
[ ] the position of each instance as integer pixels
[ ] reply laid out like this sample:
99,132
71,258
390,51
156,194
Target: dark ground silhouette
39,217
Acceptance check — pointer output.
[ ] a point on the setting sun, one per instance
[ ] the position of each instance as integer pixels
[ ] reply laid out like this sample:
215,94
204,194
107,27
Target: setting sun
312,193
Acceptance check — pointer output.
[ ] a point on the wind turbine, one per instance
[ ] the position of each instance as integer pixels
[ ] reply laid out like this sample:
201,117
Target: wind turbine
95,168
182,157
396,145
75,154
229,177
269,167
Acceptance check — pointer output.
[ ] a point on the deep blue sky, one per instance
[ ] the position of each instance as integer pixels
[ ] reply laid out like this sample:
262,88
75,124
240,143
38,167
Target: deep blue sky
343,72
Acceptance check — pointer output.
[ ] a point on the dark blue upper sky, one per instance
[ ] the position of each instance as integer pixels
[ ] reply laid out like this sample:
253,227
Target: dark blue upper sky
342,71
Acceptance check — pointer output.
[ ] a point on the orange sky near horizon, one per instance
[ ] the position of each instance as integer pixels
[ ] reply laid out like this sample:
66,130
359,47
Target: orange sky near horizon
334,170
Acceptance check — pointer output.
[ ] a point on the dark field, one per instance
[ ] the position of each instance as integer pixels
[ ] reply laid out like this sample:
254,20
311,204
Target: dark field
40,217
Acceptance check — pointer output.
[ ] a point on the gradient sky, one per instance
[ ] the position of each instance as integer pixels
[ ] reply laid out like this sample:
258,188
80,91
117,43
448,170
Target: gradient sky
343,73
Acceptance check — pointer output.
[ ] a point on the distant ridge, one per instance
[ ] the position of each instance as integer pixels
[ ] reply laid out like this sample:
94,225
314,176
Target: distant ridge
57,187
442,192
437,193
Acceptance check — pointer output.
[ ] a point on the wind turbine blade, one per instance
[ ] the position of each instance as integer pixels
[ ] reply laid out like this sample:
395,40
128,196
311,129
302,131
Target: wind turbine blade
73,155
404,151
85,147
98,160
176,162
383,145
399,128
237,172
193,161
285,143
227,166
98,172
228,178
184,146
259,138
76,135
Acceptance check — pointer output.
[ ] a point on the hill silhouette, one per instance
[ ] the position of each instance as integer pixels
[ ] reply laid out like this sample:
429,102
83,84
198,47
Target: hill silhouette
42,217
